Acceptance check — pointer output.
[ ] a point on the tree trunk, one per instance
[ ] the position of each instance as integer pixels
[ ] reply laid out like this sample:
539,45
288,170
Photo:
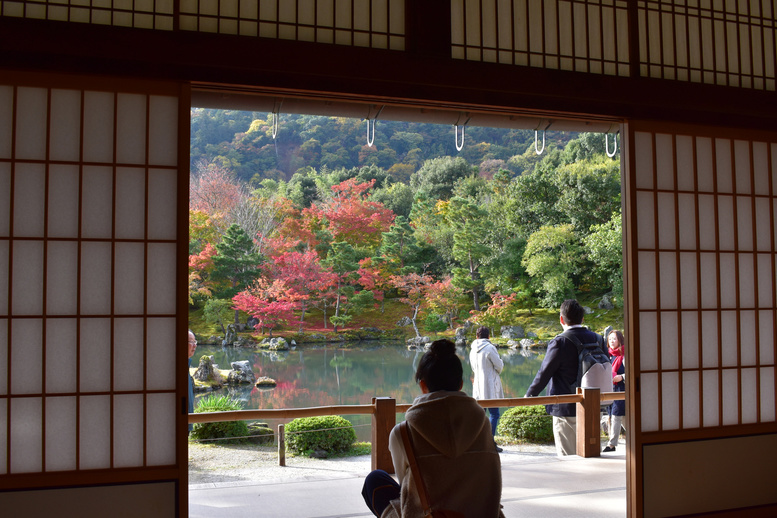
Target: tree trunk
473,276
415,314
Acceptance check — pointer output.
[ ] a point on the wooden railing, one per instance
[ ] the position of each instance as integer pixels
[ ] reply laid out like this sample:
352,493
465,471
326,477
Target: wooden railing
384,412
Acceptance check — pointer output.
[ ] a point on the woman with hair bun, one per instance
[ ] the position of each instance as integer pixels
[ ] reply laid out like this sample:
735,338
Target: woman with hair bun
452,444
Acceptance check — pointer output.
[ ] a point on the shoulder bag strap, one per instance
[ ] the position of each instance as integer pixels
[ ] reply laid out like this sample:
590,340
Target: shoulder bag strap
415,470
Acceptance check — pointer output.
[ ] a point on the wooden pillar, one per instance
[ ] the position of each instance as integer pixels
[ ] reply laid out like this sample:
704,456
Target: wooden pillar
588,440
281,444
383,420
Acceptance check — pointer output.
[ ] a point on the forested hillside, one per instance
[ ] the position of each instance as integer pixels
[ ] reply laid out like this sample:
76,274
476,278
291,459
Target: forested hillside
316,222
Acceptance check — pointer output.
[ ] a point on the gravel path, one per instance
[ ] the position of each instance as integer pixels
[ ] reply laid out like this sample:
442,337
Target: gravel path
211,464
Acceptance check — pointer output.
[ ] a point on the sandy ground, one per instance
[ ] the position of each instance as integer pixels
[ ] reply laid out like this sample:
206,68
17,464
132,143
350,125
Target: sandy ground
219,464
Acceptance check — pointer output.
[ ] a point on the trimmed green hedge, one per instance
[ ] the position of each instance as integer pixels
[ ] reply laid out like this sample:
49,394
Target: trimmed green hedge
331,434
527,423
222,430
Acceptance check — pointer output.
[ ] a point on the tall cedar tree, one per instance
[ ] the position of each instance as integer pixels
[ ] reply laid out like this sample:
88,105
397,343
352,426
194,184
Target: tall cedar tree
235,262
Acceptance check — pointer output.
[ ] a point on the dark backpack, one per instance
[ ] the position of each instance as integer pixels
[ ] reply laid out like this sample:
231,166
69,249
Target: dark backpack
594,369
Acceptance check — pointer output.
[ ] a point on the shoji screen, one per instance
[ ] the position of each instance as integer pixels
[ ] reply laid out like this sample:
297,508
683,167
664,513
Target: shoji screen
88,236
702,298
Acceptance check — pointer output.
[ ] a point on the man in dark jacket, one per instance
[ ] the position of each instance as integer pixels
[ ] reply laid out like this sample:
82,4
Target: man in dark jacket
560,369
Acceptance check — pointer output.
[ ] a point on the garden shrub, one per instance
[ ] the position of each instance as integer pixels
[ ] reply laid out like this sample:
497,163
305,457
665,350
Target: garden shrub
435,324
527,423
226,429
332,434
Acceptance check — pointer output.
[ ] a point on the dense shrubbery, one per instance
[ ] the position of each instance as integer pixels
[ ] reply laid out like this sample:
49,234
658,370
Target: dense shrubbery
226,429
332,434
527,423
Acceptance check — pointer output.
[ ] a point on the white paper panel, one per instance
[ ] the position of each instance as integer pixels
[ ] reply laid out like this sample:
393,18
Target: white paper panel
730,397
162,198
95,432
766,337
707,214
666,220
31,112
645,222
648,341
29,200
160,353
63,201
161,278
131,129
728,281
665,162
711,400
3,354
688,281
723,162
128,354
767,394
709,281
745,223
747,266
691,417
128,430
128,276
726,222
61,426
5,199
97,204
62,278
669,345
163,130
749,396
687,221
667,274
763,224
131,204
761,168
6,120
3,439
26,435
709,339
690,339
95,355
643,152
647,280
747,337
27,278
704,171
65,130
685,168
742,167
95,278
4,263
670,401
161,412
98,127
729,338
61,355
649,402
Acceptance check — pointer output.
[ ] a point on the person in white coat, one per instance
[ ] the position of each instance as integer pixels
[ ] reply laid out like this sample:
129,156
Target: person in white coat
486,366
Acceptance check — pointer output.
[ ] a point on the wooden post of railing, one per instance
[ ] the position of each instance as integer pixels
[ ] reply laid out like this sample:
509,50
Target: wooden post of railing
281,444
588,441
383,420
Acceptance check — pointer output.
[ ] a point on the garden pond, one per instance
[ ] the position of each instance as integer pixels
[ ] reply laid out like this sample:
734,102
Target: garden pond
331,374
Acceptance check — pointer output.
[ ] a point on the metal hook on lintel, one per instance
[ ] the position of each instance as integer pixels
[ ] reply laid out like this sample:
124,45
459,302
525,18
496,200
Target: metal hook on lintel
614,144
371,125
536,135
276,108
459,147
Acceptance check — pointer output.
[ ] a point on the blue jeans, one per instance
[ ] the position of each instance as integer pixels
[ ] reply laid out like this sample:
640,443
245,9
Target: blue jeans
493,416
379,490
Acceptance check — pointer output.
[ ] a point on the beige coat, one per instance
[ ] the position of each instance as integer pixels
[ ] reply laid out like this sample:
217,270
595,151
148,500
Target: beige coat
456,454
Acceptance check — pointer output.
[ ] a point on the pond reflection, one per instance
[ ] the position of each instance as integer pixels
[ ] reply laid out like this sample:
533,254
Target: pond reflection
310,376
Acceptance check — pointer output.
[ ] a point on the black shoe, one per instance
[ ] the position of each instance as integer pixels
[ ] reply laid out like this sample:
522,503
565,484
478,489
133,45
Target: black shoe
608,448
499,450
